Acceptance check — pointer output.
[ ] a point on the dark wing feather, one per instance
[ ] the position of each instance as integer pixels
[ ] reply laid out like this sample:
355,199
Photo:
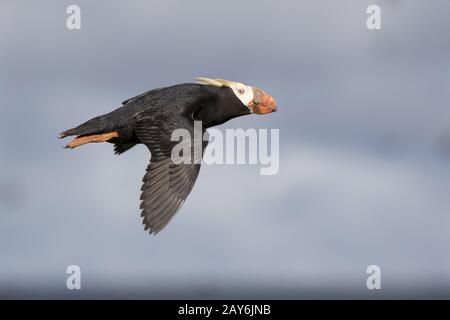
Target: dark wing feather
165,184
144,94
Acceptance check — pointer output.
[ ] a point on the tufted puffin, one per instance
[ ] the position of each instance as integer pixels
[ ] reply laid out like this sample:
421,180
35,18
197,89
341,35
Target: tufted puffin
151,117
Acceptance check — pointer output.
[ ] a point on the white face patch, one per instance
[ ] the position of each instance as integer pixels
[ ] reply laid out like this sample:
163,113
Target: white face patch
242,91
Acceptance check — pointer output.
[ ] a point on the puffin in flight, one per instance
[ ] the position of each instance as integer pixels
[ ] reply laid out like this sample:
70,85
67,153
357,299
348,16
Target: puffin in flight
151,117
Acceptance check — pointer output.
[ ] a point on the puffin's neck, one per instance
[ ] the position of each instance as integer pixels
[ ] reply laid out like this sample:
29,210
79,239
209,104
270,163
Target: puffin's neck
220,106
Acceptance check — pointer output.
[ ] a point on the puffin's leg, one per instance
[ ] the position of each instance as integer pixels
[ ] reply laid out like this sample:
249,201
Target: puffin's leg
80,140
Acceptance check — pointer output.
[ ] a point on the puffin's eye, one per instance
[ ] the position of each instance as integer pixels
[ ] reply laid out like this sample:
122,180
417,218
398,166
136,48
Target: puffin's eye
241,91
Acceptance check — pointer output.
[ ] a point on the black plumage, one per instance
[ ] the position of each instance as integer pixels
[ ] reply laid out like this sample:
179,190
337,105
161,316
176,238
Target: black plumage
150,119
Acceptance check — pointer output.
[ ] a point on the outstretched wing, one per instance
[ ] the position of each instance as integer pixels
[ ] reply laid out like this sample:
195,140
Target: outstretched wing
166,184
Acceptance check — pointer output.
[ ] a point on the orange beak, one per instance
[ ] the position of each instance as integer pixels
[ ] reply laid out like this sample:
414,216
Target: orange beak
262,102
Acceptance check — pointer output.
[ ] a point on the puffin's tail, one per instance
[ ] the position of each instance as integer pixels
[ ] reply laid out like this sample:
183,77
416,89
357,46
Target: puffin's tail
97,125
98,129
